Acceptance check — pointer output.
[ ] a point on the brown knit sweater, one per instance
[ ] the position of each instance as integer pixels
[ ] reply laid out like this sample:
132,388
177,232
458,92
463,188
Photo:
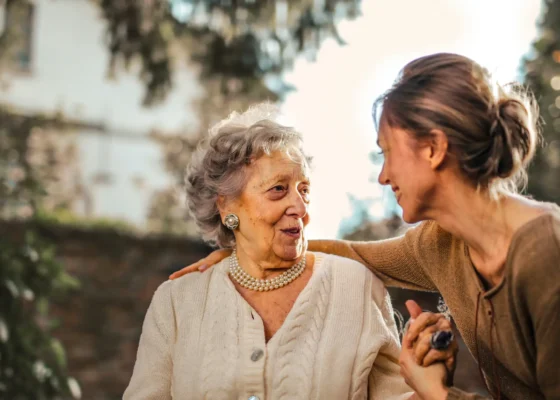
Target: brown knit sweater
512,330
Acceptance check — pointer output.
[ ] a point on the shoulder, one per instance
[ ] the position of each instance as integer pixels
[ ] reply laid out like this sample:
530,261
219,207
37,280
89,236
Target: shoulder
189,287
429,238
431,233
536,250
350,273
340,265
434,247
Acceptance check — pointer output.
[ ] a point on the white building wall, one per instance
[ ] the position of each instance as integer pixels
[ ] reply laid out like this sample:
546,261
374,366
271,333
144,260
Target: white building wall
69,74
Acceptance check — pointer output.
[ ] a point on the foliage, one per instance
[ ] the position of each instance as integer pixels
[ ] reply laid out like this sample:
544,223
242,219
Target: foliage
32,362
36,160
542,74
245,40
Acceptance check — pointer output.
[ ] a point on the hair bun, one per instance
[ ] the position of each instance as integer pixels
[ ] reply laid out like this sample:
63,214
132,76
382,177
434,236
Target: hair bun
512,139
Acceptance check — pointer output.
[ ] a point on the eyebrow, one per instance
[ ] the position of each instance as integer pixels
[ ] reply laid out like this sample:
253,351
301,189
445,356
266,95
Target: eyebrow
275,178
279,177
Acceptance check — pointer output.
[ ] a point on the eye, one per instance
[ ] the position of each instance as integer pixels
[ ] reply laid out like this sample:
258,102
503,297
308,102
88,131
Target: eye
278,188
305,191
377,157
277,192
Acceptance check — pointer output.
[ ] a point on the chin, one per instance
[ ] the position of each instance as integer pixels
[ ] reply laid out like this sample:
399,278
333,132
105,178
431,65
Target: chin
293,251
411,217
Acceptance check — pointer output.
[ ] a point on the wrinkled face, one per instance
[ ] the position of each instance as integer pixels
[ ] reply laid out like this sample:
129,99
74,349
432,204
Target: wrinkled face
407,171
272,209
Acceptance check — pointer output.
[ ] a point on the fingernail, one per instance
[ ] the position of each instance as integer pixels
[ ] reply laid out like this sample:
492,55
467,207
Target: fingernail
202,268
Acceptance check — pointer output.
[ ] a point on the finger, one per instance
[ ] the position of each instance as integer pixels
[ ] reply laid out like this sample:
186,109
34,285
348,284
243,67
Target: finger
437,355
427,354
422,347
406,342
413,309
407,357
426,336
450,364
444,324
186,270
421,322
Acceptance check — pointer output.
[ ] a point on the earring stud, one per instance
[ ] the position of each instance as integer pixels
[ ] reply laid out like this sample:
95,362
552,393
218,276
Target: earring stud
231,221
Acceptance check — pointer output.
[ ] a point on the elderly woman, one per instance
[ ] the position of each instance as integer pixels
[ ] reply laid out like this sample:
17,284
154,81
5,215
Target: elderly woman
272,320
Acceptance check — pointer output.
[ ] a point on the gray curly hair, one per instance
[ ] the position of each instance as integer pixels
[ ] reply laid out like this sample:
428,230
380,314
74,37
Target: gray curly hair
218,167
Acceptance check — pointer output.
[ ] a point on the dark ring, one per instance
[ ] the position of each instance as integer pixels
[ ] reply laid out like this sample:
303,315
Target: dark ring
441,340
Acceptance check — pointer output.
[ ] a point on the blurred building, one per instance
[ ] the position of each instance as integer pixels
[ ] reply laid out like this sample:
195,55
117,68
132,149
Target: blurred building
61,67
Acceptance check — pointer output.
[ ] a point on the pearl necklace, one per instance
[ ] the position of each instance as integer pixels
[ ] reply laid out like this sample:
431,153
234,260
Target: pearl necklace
263,285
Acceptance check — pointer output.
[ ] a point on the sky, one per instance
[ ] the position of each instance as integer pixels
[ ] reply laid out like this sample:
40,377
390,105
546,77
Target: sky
332,104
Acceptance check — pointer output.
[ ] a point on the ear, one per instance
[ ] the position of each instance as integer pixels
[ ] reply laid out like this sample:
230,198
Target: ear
438,145
221,203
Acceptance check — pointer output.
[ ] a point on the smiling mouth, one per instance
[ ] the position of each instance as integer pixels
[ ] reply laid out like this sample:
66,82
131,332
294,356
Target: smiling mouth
292,232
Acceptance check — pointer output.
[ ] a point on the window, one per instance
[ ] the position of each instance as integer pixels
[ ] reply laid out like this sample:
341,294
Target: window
19,26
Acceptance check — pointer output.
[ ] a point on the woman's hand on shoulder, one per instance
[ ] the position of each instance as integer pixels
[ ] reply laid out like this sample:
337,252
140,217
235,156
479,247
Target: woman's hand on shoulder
212,259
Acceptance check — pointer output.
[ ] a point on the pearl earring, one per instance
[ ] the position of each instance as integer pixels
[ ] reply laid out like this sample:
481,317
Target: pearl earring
231,221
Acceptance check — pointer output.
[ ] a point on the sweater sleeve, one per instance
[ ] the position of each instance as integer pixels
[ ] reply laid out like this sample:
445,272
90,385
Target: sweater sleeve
537,302
151,378
457,394
385,381
402,262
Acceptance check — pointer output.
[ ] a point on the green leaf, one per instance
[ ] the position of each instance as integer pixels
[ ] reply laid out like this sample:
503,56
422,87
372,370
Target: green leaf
59,353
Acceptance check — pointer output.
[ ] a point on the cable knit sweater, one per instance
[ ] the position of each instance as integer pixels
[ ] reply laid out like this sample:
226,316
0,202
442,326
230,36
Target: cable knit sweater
202,340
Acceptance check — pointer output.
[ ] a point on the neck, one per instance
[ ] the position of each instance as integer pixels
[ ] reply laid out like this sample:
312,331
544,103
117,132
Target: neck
485,225
263,267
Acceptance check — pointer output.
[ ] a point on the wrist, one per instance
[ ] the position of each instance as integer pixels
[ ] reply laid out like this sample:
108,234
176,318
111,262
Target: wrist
440,393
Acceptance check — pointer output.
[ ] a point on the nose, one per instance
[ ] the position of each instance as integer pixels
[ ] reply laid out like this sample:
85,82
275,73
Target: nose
383,177
298,205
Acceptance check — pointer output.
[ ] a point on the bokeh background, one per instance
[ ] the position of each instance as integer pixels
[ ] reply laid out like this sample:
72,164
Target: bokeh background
103,101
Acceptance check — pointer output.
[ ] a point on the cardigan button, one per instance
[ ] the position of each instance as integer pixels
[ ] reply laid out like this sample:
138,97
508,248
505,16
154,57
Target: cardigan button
253,398
257,355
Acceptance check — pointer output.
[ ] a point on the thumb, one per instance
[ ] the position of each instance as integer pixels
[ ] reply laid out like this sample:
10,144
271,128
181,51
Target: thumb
413,309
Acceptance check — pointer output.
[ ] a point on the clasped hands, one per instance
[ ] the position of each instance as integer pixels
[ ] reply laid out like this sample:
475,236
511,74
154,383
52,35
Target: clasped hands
428,371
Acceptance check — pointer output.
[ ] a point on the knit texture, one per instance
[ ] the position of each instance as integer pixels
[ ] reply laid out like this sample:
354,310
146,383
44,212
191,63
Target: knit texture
515,334
201,340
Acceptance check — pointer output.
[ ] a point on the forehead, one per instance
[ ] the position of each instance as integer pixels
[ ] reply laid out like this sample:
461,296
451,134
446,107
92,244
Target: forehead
392,136
276,166
383,134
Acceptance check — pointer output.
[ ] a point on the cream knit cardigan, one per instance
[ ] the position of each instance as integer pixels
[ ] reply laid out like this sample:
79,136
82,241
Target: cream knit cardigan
202,340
